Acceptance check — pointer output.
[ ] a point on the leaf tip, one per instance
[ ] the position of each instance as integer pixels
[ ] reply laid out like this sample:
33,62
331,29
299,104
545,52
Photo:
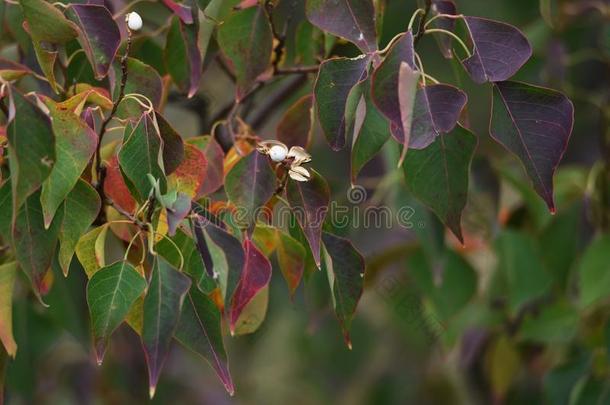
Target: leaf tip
151,391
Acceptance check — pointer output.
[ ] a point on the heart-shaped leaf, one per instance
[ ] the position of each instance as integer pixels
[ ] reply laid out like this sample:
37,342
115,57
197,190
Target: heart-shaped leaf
100,36
436,110
345,268
115,187
8,273
353,20
385,80
335,80
309,202
294,129
535,124
438,175
162,308
48,27
182,55
190,175
78,212
247,40
75,143
214,156
291,259
141,155
249,185
499,50
90,250
111,292
199,330
255,276
31,147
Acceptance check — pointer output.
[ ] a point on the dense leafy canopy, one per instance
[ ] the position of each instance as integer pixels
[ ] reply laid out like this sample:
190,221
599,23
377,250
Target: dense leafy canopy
180,236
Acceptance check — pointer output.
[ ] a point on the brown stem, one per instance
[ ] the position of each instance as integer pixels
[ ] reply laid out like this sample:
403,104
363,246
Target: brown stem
99,168
297,69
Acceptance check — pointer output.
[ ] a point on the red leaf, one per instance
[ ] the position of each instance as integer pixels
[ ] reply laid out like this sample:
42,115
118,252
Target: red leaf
115,187
255,276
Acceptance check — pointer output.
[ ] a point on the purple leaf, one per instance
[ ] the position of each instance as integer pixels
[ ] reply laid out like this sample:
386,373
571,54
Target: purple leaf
499,50
437,109
294,129
183,12
335,80
100,36
249,185
199,330
346,276
535,124
309,202
385,80
162,307
255,276
447,24
353,20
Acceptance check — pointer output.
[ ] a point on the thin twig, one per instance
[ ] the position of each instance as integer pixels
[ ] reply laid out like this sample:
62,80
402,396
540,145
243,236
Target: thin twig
99,169
297,70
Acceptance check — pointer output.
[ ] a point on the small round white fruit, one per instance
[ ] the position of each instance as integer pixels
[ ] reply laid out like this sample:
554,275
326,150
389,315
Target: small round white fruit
277,153
134,21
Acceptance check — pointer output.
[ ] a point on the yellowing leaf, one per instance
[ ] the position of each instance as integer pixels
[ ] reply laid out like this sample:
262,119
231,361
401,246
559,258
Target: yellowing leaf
8,272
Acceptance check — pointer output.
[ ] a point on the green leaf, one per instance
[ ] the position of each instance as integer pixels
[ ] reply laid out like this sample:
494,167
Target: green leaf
48,27
253,314
520,263
309,203
594,272
162,307
208,23
75,144
142,79
182,55
111,292
199,330
555,324
246,39
34,245
249,185
173,145
255,276
335,80
30,146
438,175
291,259
371,130
353,20
193,262
8,272
78,213
46,23
90,250
141,155
450,283
345,270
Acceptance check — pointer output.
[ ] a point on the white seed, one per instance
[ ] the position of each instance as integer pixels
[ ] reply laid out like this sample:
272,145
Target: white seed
134,21
277,153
